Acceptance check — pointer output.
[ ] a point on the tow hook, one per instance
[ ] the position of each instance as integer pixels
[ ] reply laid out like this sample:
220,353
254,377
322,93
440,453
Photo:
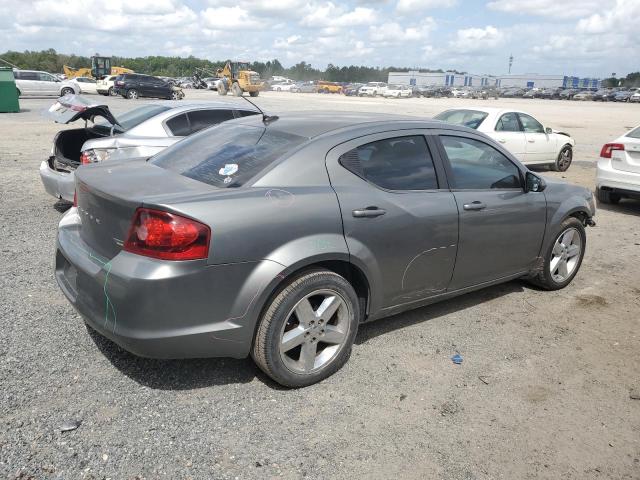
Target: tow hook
590,221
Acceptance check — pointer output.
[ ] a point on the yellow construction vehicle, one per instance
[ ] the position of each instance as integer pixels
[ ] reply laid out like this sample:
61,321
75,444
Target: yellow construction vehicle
238,78
100,67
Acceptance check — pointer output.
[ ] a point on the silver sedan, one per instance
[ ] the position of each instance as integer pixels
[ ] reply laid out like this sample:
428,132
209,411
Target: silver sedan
142,132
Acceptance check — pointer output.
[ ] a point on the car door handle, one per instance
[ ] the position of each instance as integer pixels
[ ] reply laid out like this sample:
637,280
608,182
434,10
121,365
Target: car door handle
531,141
474,206
368,212
502,140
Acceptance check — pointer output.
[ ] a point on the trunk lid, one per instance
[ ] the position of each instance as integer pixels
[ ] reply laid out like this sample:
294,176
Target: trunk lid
73,107
109,194
627,160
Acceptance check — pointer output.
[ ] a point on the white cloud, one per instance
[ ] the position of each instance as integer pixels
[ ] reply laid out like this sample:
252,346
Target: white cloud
392,33
413,6
230,18
331,15
474,40
624,16
551,8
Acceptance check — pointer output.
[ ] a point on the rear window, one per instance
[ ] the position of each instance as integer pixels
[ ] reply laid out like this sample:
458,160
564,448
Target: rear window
227,156
635,133
135,117
464,118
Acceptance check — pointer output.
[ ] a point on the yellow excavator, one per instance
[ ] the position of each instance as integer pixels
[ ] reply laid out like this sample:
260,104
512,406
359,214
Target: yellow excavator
100,67
237,78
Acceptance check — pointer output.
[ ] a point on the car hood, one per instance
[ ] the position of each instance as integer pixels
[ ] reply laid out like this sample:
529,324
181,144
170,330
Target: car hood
70,108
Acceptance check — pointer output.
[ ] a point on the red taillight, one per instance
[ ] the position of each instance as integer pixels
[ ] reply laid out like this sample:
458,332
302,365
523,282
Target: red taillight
85,159
608,149
75,198
167,236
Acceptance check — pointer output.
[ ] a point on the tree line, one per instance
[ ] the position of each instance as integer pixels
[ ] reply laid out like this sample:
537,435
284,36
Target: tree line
52,61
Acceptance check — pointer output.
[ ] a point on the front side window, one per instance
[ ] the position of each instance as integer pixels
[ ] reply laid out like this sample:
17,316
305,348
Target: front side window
399,163
465,118
530,124
508,123
478,166
45,77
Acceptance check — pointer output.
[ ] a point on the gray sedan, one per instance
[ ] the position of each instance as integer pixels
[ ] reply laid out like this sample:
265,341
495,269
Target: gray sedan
276,237
141,132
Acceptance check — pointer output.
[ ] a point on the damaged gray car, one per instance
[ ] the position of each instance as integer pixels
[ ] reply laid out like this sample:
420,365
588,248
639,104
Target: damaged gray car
277,237
141,132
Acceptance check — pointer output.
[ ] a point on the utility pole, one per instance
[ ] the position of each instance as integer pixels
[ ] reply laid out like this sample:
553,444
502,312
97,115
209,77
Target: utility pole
510,62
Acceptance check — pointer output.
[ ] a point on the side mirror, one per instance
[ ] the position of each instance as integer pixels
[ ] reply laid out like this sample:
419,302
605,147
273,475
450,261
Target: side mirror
534,183
548,130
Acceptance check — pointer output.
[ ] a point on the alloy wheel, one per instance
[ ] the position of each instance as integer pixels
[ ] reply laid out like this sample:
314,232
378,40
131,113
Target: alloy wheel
565,159
314,332
565,255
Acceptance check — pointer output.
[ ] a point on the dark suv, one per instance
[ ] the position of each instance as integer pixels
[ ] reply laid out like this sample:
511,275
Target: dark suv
135,85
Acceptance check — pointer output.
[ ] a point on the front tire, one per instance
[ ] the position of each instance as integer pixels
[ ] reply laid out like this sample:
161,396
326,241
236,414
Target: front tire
236,90
563,257
132,94
307,331
67,91
565,157
254,94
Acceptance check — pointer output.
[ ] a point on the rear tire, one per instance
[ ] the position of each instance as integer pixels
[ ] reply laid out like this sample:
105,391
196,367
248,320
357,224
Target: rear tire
565,157
318,305
567,249
132,94
110,92
608,196
254,94
67,91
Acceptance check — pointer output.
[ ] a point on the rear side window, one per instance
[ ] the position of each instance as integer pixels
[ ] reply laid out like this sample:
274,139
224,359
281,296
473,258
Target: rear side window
508,123
227,156
179,125
246,113
400,163
205,118
635,133
29,76
464,118
478,166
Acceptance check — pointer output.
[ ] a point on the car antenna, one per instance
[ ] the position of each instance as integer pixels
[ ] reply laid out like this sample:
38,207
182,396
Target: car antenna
266,119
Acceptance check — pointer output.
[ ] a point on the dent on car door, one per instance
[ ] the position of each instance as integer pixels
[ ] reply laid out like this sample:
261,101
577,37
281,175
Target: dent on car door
540,145
400,220
501,226
509,133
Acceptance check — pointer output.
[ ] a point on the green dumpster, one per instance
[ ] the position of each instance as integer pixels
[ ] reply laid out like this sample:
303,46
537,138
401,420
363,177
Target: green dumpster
8,91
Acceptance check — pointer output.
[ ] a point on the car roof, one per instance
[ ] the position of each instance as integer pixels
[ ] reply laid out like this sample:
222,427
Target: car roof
188,104
313,124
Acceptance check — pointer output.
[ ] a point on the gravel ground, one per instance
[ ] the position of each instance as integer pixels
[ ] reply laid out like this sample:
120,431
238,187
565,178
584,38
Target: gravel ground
545,389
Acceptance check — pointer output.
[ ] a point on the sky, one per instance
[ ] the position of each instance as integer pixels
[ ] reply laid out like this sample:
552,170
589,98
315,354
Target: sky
571,37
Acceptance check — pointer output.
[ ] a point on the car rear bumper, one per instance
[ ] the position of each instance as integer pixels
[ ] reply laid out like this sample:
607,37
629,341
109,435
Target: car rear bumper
58,184
162,309
613,179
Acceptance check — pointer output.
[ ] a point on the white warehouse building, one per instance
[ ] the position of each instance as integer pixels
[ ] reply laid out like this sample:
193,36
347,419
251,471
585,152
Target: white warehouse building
527,80
450,79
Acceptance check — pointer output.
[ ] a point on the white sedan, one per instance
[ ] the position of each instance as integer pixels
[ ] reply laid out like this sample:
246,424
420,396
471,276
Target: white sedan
86,85
282,87
618,170
524,136
398,91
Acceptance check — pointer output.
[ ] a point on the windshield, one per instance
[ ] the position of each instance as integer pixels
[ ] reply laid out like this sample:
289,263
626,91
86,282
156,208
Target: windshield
135,117
465,118
227,156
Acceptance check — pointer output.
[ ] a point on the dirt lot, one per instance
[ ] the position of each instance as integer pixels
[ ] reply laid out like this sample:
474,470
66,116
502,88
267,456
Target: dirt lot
544,390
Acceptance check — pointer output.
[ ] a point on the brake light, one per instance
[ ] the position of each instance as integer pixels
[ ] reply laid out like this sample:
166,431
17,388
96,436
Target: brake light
609,148
167,236
85,159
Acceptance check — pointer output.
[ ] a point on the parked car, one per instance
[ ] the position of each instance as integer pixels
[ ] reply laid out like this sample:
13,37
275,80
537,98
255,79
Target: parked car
138,133
567,94
252,260
104,85
603,95
86,85
635,98
519,132
513,93
372,89
622,96
305,87
618,169
329,87
282,86
352,89
398,91
35,83
212,82
583,96
136,85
